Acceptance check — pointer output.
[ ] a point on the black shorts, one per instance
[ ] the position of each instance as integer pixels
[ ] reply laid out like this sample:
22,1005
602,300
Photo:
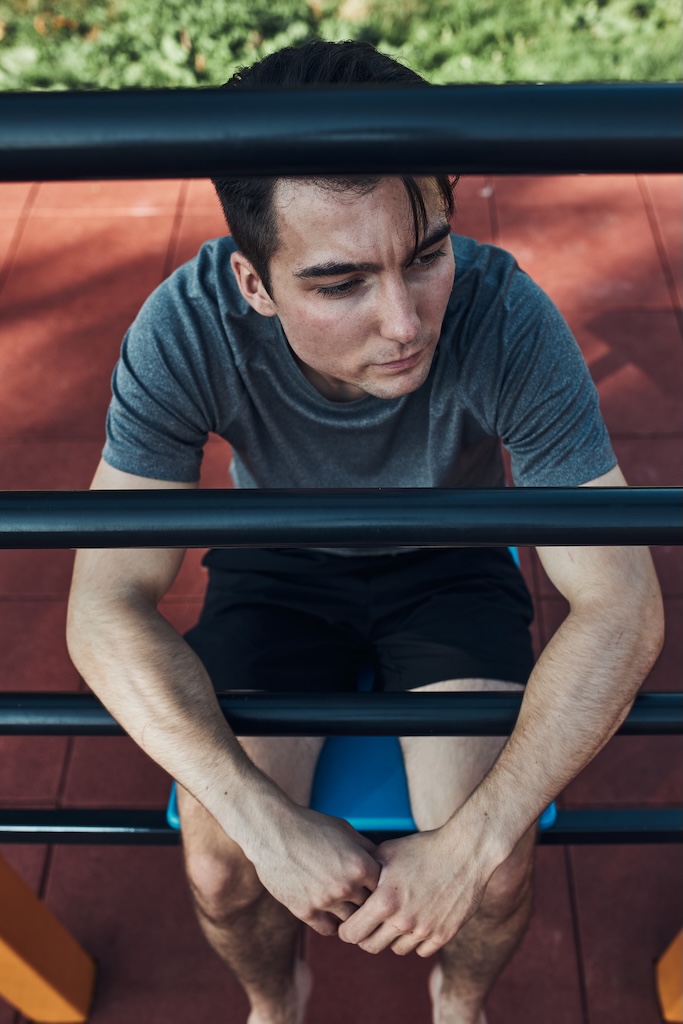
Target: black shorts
302,620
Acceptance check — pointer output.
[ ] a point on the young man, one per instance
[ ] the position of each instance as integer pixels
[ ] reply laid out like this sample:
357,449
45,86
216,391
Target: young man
342,337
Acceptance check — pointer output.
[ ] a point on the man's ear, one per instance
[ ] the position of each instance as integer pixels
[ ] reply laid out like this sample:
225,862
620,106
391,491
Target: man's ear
251,285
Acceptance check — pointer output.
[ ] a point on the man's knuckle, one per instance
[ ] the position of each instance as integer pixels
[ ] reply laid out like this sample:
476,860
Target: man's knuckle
344,891
359,871
368,947
389,904
381,905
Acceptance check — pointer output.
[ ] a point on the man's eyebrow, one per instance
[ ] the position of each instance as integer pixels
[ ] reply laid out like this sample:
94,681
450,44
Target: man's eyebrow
333,269
437,235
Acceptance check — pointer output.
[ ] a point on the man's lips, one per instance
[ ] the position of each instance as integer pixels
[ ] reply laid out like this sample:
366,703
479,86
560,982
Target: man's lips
403,364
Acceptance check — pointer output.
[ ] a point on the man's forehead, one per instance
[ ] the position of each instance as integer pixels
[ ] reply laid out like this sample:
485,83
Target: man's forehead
306,205
341,192
313,219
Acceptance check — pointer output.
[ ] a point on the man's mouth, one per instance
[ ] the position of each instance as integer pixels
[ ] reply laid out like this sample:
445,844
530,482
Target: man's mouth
403,364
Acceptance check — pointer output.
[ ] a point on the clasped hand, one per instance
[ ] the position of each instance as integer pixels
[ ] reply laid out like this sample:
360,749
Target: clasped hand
407,894
319,867
425,893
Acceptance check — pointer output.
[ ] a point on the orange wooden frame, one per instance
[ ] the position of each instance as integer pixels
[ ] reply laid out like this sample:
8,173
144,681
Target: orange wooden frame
44,972
669,975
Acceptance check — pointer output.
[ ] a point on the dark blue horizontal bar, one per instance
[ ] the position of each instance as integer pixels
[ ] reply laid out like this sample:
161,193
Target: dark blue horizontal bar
146,828
380,517
465,129
329,714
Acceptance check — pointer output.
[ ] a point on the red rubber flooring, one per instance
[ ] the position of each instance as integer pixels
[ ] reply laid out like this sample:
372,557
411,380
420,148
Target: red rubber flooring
76,262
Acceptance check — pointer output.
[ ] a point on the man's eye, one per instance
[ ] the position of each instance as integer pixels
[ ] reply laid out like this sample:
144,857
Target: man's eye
337,289
428,258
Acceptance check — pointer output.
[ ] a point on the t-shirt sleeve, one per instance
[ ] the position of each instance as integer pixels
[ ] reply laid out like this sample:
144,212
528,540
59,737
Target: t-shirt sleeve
547,410
158,418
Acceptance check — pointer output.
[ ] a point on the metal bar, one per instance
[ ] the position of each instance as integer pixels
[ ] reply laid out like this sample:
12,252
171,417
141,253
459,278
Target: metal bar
469,129
146,828
421,517
616,825
329,714
96,827
599,826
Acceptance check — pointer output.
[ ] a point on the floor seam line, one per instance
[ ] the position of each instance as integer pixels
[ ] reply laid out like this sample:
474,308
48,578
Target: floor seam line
172,249
18,234
494,220
578,944
667,269
66,765
45,873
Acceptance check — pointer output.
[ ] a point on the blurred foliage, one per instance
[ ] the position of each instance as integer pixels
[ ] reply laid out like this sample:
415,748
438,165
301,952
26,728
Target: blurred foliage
115,44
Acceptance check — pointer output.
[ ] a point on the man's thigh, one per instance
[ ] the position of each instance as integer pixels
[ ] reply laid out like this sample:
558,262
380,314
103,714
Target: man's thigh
442,771
458,614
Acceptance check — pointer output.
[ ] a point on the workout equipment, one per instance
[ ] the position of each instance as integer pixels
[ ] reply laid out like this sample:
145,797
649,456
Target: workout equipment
44,972
177,133
374,517
669,979
474,129
363,779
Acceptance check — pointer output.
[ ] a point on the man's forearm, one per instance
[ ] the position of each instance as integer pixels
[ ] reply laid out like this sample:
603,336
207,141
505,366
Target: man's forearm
158,690
579,693
156,687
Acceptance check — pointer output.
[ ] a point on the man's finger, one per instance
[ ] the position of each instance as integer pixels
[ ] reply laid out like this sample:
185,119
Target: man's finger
368,883
366,843
343,911
323,923
405,944
362,924
381,939
429,948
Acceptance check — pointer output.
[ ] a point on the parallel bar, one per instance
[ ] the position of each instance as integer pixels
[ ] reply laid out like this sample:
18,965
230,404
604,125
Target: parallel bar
143,828
468,129
638,825
329,714
423,517
80,827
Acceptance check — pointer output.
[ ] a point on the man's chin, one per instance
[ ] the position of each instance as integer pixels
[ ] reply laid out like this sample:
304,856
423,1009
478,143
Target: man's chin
397,385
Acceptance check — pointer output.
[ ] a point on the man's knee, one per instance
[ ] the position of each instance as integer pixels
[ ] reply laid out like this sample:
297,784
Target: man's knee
223,886
509,888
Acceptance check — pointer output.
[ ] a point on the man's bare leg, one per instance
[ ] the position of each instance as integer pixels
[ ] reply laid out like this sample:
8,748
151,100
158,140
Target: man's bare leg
252,933
442,772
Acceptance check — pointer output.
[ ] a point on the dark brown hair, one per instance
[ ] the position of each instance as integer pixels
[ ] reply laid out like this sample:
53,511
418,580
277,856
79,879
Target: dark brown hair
248,202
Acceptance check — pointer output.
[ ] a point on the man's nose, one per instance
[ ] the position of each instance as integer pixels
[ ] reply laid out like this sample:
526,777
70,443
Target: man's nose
398,316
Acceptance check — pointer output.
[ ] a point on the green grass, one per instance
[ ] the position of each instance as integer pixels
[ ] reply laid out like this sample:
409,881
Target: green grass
115,44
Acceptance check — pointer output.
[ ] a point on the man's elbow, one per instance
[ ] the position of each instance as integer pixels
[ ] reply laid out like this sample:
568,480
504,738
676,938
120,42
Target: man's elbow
642,615
654,630
93,618
83,623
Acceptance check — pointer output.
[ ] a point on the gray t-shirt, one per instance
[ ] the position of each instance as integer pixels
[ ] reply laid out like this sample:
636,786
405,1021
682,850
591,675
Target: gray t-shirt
198,358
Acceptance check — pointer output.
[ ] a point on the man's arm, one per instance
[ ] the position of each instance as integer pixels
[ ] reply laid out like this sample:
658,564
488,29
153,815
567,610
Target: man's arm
579,693
158,690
